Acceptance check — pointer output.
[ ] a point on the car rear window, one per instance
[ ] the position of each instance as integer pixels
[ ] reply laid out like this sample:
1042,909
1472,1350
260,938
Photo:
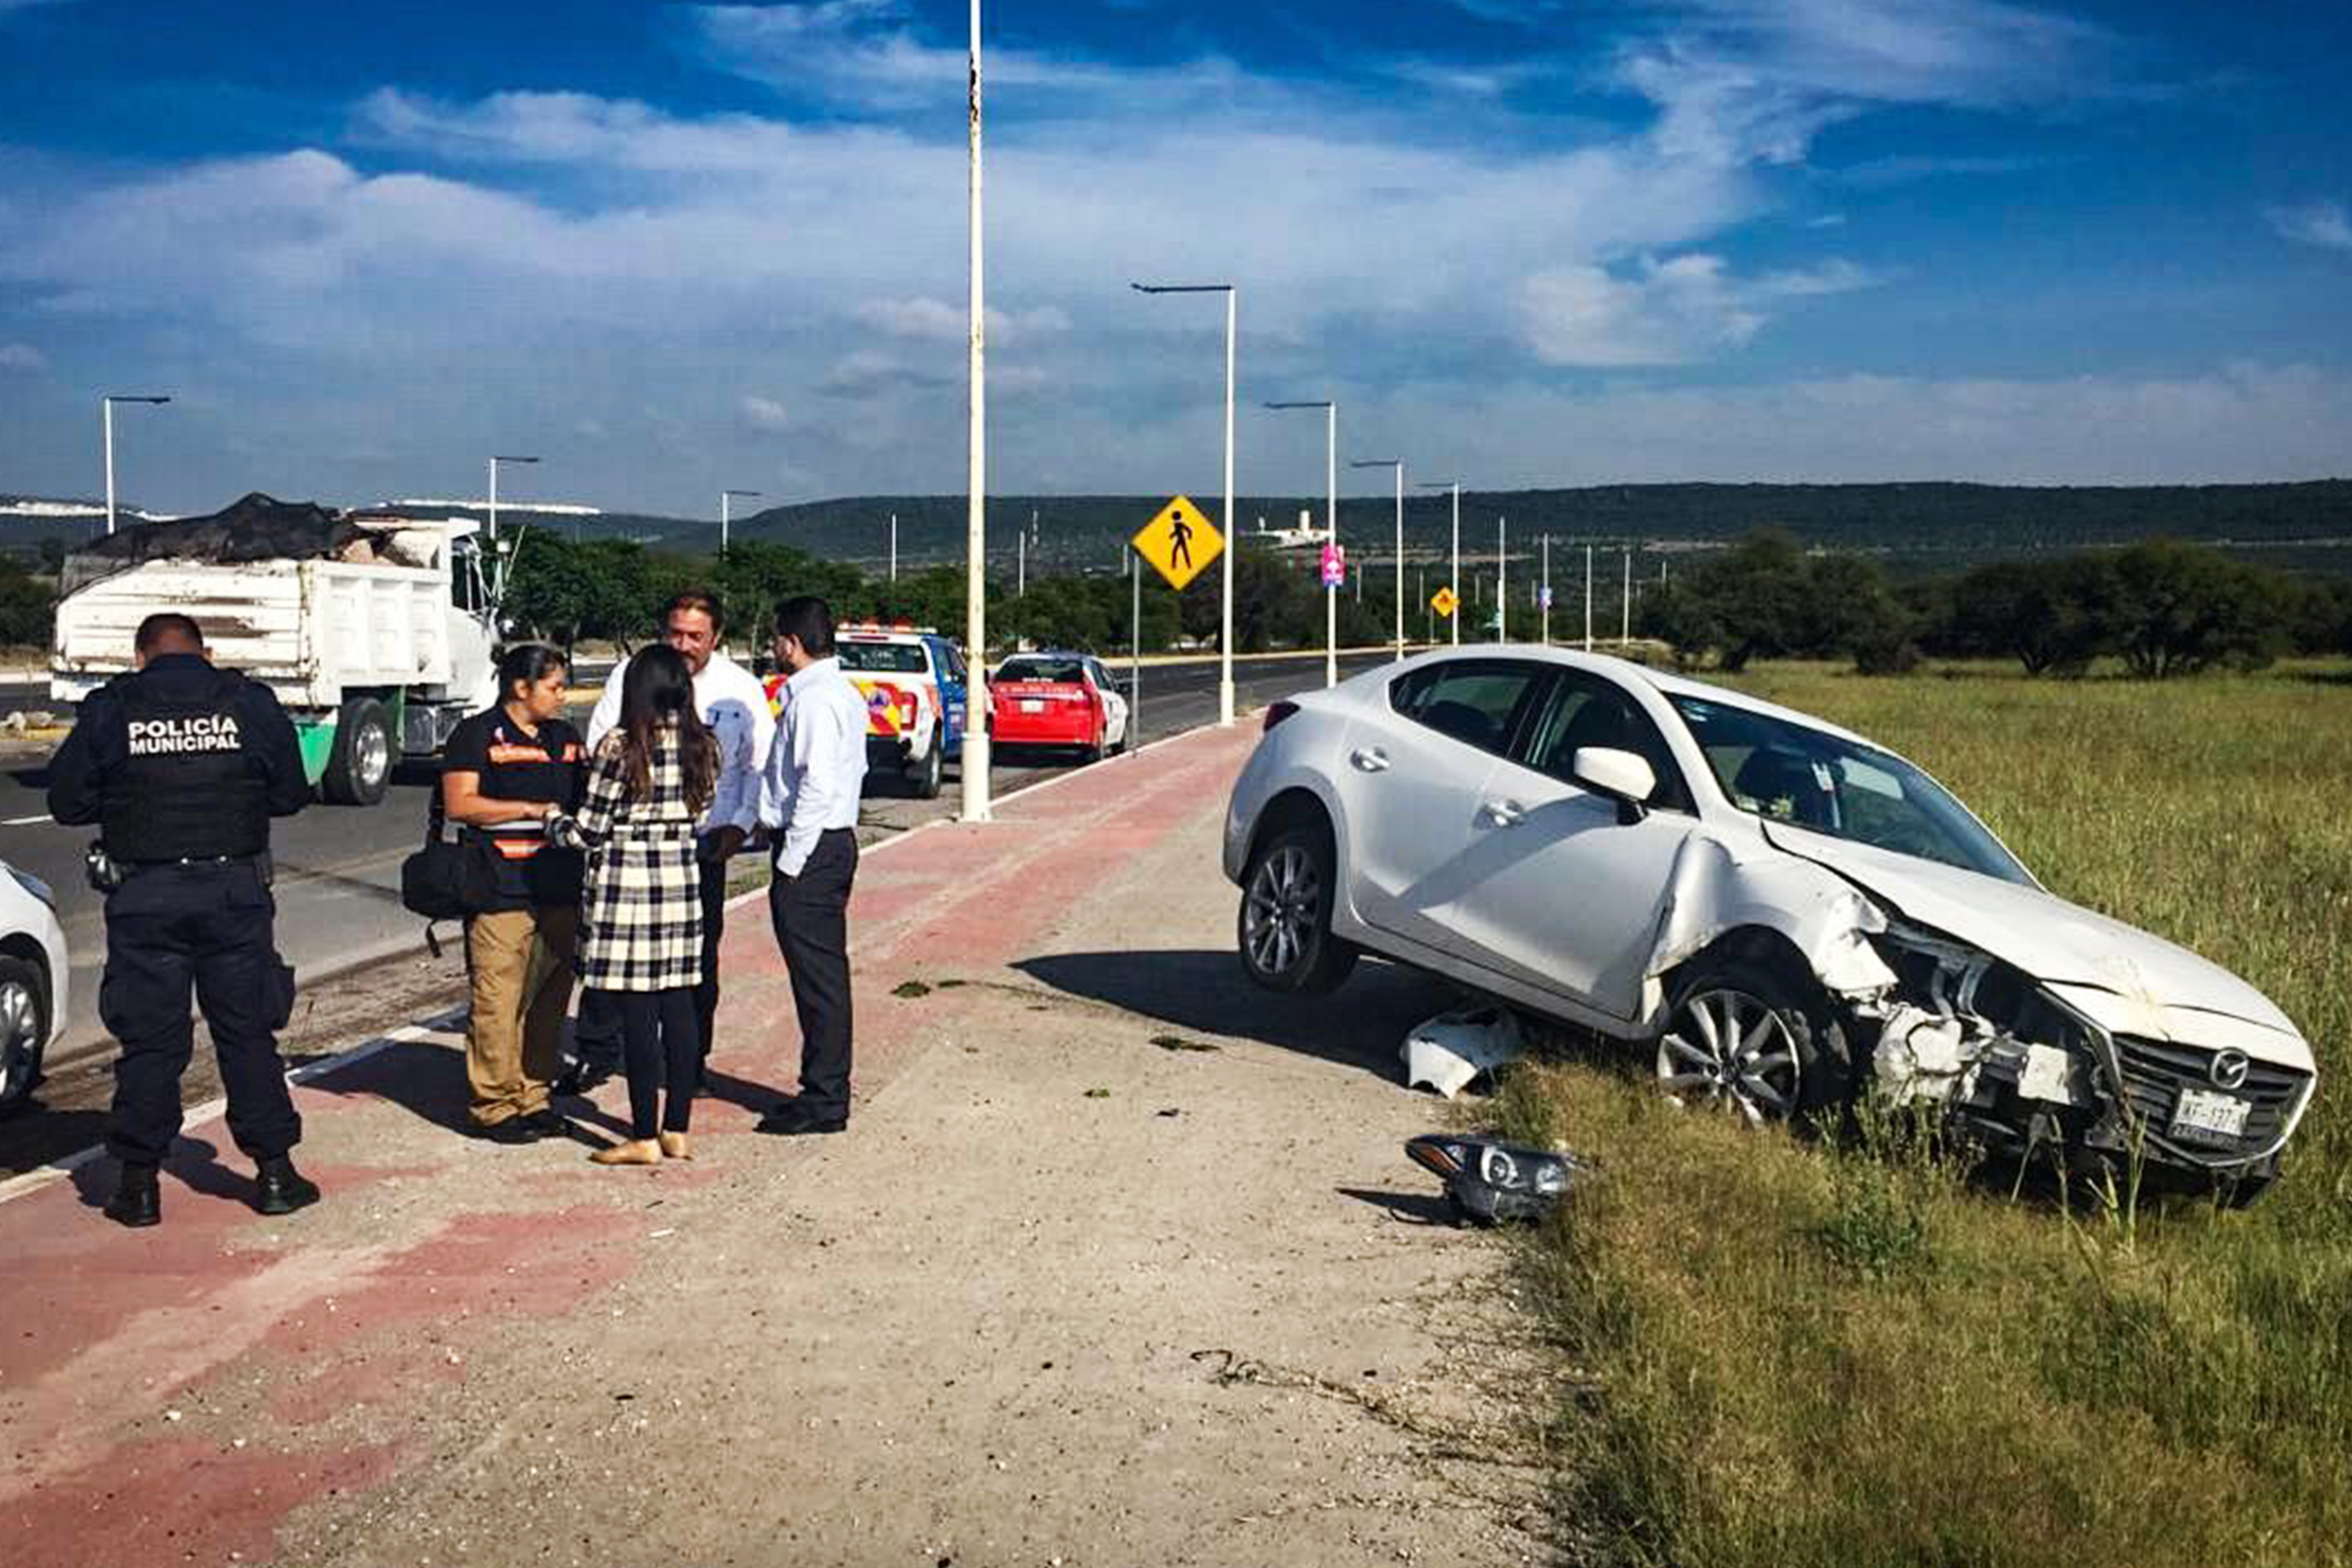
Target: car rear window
1064,669
883,657
1476,701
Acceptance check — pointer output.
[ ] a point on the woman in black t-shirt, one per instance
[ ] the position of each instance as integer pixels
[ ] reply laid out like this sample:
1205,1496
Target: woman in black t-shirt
503,773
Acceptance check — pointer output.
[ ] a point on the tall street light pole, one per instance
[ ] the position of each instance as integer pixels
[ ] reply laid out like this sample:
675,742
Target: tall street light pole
725,497
106,417
1226,641
1455,485
1398,464
503,559
1501,577
974,765
1330,527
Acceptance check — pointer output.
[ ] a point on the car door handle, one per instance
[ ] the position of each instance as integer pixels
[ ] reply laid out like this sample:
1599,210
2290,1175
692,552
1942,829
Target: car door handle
1370,759
1505,813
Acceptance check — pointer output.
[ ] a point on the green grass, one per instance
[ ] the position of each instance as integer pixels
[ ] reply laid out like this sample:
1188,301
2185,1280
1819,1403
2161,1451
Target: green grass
1808,1355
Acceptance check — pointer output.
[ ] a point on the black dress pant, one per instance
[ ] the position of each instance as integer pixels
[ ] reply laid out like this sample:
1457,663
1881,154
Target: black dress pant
663,1048
812,916
714,926
206,927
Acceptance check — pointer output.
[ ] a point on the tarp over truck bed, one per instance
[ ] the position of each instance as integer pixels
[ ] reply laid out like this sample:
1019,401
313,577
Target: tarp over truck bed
258,528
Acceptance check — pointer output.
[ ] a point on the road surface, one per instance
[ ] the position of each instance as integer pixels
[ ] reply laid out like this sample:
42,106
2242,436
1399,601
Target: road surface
339,910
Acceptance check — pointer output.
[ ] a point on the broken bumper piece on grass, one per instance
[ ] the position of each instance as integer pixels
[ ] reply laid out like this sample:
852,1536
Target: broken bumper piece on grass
1489,1179
1450,1051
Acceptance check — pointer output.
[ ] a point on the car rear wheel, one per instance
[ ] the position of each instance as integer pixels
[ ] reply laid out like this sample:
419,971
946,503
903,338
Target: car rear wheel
1285,923
1093,750
1740,1037
924,774
24,1028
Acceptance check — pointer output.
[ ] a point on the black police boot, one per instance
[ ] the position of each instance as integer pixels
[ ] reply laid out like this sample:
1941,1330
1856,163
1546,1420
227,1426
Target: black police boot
137,1202
284,1189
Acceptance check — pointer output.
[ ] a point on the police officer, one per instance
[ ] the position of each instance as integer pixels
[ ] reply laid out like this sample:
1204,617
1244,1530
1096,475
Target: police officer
183,765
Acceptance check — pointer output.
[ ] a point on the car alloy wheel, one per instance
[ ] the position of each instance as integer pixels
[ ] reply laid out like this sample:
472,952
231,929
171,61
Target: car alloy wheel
1284,905
1727,1049
21,1027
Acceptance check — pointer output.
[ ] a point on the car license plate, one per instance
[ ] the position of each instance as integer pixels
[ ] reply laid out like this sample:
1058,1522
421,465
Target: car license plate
1033,705
2207,1118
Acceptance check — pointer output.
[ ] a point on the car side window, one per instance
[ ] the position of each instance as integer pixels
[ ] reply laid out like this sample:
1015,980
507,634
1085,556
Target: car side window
1588,711
1480,703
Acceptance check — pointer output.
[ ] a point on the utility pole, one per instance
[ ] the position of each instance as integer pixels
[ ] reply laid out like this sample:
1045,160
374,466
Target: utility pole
894,547
1502,575
1020,563
1543,594
1588,598
1625,630
1330,527
974,767
1225,640
724,496
107,403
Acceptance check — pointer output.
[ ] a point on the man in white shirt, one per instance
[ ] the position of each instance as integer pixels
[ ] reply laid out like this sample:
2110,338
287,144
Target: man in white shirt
734,705
817,770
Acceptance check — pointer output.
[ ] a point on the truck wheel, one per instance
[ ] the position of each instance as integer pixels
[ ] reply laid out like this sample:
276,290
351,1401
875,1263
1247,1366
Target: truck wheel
924,776
359,769
24,1028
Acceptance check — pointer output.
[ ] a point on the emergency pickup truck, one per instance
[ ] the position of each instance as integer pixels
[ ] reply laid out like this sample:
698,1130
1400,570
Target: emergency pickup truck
914,684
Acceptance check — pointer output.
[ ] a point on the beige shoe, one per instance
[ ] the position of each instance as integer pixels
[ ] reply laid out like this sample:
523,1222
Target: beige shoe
674,1146
637,1151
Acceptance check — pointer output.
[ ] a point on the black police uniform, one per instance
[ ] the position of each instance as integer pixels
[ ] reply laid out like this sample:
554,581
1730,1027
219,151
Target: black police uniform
183,765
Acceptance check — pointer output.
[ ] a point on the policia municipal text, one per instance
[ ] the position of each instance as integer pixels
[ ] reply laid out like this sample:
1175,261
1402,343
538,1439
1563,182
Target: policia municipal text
183,765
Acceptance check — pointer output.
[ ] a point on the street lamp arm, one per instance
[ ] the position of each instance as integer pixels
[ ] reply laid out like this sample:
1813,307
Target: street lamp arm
1182,287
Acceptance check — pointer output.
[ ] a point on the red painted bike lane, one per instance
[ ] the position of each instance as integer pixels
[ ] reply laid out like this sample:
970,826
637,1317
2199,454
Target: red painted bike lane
173,1395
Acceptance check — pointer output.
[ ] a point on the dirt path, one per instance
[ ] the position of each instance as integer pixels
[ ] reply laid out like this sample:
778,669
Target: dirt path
1075,1289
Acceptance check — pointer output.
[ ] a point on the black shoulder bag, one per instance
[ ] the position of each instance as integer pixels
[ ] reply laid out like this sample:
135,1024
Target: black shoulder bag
448,879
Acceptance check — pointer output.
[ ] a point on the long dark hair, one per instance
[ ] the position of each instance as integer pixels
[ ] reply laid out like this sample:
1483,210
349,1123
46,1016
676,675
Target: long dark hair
657,696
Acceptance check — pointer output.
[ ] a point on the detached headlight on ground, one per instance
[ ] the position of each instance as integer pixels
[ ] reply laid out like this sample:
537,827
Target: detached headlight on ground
1487,1179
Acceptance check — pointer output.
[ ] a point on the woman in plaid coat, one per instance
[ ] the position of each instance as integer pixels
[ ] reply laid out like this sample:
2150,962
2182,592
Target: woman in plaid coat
641,916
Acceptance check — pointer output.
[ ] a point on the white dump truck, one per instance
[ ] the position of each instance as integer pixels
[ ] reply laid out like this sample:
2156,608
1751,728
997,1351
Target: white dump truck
377,632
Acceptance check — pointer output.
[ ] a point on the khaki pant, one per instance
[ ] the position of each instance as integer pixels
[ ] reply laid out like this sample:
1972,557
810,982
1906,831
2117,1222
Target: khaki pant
521,964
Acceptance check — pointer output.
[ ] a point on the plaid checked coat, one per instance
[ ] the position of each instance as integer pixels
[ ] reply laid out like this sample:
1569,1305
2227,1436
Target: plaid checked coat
641,907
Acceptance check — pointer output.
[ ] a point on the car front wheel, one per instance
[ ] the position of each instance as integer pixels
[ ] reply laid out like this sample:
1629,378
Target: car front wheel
24,1028
1740,1036
1285,923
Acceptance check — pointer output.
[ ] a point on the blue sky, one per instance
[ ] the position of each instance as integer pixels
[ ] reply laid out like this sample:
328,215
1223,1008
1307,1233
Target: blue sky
672,248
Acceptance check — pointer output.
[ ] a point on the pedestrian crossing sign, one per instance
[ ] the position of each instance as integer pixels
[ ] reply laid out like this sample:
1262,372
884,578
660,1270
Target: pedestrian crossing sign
1178,543
1444,603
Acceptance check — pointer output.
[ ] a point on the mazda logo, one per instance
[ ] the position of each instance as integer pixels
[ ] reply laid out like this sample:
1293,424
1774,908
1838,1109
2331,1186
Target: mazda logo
2228,1069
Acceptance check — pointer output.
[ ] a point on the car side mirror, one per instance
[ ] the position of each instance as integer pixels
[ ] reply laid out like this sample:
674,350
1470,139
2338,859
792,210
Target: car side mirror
1623,776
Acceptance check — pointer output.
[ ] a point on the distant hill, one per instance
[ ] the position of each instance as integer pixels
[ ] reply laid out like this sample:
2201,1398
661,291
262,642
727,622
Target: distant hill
1914,527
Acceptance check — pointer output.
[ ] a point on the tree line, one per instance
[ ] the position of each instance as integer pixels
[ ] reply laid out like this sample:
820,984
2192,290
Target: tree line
2162,608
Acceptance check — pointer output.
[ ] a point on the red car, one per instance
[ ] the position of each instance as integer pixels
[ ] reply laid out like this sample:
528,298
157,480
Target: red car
1058,699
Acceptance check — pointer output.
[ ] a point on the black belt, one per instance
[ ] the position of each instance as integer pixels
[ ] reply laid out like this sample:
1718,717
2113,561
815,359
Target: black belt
198,860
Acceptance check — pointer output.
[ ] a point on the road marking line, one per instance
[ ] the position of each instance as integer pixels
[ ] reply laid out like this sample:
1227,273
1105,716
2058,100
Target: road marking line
24,821
58,1170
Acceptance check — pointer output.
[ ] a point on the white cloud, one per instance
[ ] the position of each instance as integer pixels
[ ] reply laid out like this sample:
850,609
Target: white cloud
1748,81
22,356
936,321
765,413
2320,223
1674,311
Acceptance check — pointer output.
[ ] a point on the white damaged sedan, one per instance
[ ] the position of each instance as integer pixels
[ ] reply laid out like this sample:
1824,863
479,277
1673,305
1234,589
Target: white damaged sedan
1782,913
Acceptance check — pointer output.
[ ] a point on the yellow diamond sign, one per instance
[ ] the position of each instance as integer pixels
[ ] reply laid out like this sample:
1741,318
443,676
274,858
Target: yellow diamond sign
1444,603
1178,543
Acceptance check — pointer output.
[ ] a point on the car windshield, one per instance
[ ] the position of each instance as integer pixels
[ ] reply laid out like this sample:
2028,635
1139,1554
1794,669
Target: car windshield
1791,773
1061,669
888,658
